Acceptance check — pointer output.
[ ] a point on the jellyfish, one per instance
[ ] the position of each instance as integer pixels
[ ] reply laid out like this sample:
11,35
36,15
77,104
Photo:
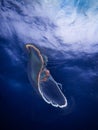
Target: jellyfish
41,78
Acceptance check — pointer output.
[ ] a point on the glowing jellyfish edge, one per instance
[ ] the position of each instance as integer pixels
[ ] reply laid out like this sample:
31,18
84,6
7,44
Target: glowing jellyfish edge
47,99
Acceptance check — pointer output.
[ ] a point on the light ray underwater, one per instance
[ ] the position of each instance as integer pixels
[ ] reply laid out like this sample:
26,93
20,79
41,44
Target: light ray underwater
41,78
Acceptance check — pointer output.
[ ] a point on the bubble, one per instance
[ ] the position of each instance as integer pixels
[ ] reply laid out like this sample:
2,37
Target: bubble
42,80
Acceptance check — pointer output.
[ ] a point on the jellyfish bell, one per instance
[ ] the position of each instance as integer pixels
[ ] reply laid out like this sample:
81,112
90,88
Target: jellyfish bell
34,65
41,78
51,93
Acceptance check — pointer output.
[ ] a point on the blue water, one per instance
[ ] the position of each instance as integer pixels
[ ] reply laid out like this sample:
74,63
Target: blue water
67,33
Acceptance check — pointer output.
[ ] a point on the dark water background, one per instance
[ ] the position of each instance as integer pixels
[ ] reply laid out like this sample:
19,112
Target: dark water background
20,107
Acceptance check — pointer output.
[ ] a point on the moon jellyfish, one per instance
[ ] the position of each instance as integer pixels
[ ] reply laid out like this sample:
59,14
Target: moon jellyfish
41,78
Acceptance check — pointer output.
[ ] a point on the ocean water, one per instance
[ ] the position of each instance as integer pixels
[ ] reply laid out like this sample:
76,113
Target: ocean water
66,32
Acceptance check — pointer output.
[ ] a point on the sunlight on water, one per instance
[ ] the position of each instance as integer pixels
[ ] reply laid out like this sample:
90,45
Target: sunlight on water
61,24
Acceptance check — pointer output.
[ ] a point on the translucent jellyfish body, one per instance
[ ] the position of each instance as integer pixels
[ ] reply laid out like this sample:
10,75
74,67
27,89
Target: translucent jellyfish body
41,78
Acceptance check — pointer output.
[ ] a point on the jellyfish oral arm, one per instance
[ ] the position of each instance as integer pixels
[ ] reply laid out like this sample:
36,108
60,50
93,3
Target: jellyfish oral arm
44,75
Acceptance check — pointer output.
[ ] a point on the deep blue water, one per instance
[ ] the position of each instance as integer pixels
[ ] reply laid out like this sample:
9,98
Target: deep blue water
74,65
